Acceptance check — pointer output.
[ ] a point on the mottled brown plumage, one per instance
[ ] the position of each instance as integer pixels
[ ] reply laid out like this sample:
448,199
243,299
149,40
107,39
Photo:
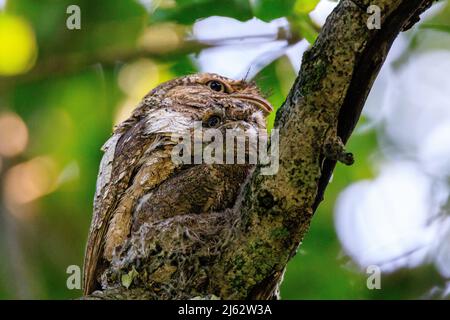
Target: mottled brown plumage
139,184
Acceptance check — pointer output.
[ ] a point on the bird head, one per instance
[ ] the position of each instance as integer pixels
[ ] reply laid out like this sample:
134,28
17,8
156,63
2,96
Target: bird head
216,101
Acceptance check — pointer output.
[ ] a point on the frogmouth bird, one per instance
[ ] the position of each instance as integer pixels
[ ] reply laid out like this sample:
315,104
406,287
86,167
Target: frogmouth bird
140,185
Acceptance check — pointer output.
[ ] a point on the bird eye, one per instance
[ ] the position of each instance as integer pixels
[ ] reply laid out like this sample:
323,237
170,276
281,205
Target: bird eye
216,86
213,121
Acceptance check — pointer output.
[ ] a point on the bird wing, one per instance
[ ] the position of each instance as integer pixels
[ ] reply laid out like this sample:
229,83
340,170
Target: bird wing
133,151
121,153
122,160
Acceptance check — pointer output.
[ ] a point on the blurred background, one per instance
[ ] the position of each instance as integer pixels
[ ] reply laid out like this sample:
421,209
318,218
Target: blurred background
62,89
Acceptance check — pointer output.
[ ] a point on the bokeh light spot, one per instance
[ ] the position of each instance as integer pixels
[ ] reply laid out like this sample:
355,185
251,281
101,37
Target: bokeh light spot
162,38
29,181
136,80
13,135
18,49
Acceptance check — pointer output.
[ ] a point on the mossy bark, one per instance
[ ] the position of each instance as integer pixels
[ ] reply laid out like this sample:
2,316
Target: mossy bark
327,98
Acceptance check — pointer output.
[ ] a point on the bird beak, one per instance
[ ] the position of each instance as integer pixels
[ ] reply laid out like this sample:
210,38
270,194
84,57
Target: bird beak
261,103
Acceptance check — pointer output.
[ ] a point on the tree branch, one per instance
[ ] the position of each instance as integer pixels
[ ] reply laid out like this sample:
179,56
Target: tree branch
328,96
326,99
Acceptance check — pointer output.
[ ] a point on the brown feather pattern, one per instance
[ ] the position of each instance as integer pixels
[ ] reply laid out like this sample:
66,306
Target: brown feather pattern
138,183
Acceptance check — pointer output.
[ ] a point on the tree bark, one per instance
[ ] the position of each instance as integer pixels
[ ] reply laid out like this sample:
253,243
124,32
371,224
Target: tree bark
326,100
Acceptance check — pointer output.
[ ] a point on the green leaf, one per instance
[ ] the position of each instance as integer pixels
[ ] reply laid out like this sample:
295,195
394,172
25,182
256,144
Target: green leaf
183,65
439,22
305,26
425,39
437,27
268,10
441,19
189,2
188,11
127,279
305,6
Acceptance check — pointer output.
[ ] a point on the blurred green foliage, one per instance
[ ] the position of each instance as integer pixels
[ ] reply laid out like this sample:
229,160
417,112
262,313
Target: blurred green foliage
70,100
